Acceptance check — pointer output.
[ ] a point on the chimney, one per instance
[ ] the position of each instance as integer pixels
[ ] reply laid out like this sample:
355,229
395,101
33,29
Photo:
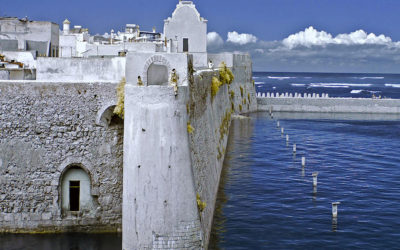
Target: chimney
66,24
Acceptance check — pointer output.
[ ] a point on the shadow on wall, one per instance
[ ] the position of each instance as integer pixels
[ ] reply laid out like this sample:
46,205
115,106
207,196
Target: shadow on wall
157,74
108,119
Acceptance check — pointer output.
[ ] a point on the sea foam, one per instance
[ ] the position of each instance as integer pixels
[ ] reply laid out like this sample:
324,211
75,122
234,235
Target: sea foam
338,85
280,77
392,85
370,77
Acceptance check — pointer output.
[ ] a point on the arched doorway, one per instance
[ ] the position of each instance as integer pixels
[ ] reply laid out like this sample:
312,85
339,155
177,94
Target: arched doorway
157,74
107,118
76,190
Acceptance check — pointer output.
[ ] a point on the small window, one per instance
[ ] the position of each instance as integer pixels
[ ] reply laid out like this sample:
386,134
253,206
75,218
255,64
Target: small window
74,190
185,44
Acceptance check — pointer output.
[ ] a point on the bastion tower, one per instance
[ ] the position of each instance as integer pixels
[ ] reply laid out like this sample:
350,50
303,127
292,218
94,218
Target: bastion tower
175,132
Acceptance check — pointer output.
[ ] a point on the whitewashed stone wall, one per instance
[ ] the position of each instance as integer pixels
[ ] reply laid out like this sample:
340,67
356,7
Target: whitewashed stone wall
166,167
44,129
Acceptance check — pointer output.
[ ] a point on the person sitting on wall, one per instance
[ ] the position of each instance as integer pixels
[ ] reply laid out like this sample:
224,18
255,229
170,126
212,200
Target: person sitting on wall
174,81
210,64
139,81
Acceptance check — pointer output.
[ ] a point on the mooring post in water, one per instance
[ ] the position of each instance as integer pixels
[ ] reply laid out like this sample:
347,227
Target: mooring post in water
278,124
315,179
314,193
334,209
303,161
334,225
270,110
294,148
287,138
282,130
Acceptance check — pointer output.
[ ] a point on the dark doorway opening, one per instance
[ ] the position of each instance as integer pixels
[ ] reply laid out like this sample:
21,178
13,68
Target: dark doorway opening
185,44
116,121
74,188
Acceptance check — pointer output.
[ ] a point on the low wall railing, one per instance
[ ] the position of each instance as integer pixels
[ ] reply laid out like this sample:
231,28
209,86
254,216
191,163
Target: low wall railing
306,95
291,95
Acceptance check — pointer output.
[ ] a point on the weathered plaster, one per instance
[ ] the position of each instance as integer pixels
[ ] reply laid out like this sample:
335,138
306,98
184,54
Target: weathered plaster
44,129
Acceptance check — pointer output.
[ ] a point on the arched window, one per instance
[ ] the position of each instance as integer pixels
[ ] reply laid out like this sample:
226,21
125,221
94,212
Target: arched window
157,74
75,190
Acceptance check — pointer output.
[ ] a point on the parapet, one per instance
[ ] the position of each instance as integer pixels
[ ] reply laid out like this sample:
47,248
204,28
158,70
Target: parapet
155,68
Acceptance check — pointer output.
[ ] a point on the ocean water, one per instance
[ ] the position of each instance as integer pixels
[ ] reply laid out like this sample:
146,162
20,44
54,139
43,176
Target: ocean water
266,199
337,85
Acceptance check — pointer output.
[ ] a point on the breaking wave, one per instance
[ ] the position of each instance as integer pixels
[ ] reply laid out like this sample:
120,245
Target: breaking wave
370,77
392,85
281,77
359,91
338,85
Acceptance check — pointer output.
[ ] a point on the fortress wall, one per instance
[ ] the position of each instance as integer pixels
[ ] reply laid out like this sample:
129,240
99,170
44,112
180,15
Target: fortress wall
210,118
333,105
110,69
44,129
166,166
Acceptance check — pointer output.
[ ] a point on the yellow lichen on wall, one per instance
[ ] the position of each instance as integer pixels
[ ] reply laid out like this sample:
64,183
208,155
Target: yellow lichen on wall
225,77
200,204
215,84
232,94
225,74
190,128
119,108
224,127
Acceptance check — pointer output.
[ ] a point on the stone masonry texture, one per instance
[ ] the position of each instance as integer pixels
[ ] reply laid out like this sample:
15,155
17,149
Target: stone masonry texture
44,129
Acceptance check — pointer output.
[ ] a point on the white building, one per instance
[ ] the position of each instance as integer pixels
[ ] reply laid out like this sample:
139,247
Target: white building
73,41
186,31
25,35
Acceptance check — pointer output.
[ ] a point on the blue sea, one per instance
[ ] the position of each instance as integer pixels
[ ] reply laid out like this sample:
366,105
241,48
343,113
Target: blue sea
336,85
266,199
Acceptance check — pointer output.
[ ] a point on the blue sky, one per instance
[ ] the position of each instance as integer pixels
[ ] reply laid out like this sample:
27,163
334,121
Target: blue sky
268,23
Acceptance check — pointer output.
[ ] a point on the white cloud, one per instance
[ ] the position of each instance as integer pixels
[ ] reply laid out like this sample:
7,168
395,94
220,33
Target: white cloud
312,37
241,39
214,39
312,50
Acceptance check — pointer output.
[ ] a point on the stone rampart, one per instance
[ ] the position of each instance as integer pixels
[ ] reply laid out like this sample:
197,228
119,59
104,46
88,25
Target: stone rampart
315,103
45,130
173,153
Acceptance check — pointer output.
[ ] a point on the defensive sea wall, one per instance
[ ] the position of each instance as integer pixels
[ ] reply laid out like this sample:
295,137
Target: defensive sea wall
174,147
52,131
325,104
